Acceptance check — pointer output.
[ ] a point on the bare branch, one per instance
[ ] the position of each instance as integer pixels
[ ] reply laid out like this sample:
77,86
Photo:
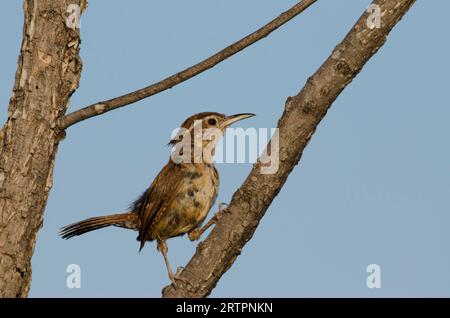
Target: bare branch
300,119
169,82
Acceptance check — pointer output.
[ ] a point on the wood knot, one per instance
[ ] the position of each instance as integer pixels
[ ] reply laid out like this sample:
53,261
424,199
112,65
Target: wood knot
343,68
289,103
308,107
49,14
324,91
58,131
61,135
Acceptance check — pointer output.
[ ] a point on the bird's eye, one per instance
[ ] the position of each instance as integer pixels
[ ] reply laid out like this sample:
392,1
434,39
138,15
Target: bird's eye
212,122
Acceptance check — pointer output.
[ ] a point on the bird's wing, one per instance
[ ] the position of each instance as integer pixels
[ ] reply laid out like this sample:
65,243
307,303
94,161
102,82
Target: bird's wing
154,202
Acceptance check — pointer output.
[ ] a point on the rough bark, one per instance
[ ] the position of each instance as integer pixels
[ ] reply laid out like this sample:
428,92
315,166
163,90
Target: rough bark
300,119
48,73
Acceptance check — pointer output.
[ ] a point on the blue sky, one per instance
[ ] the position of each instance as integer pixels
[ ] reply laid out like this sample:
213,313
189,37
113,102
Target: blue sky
373,186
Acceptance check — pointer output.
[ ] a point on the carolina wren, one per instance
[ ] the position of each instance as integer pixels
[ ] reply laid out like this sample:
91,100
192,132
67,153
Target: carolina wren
179,199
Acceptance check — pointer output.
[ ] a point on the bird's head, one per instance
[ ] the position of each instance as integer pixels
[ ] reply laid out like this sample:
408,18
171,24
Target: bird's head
205,129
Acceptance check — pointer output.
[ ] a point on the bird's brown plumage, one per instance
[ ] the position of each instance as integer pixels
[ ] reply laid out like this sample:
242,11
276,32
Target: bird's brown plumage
178,200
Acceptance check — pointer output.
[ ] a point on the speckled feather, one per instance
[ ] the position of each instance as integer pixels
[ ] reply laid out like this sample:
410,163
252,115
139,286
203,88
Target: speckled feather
178,200
167,209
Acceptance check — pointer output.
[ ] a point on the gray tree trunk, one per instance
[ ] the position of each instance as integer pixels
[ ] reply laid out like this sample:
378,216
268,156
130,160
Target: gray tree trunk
48,72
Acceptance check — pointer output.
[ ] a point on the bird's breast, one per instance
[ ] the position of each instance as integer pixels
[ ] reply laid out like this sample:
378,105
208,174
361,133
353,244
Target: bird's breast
194,198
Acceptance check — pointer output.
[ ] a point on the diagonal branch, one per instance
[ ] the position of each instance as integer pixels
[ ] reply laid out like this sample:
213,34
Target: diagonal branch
301,116
169,82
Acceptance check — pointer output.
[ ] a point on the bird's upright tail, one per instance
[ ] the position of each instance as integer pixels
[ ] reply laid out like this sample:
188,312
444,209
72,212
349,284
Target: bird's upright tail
128,220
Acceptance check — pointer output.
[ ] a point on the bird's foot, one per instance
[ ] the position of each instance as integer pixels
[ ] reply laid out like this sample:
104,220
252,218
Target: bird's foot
179,270
222,205
195,234
175,278
222,209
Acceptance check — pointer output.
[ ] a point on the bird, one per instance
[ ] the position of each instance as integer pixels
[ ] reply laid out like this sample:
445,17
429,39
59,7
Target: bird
181,195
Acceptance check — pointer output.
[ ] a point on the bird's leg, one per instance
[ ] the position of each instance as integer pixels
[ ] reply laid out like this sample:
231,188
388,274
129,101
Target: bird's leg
196,233
162,247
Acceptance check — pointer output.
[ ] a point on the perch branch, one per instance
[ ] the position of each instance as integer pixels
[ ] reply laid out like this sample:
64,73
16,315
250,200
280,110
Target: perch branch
301,116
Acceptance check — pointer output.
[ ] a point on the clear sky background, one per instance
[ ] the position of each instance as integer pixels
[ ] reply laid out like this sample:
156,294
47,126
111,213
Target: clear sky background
373,185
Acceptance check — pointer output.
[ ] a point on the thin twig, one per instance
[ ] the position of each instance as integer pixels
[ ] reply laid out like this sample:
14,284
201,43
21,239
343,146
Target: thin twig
169,82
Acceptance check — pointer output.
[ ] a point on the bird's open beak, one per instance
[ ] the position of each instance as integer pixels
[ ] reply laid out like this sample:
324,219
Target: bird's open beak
234,118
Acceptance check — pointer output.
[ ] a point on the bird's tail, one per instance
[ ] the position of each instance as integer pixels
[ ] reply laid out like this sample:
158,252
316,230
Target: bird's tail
127,220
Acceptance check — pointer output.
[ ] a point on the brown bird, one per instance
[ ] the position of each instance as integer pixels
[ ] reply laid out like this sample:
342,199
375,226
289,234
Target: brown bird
179,199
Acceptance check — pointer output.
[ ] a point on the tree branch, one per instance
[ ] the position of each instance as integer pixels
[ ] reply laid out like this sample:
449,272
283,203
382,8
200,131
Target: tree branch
169,82
300,119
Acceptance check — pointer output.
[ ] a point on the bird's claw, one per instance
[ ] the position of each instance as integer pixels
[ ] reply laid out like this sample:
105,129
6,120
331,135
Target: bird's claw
179,270
222,209
195,234
176,277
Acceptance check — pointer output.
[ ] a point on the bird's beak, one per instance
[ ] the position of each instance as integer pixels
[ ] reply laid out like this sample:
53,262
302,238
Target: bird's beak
234,118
